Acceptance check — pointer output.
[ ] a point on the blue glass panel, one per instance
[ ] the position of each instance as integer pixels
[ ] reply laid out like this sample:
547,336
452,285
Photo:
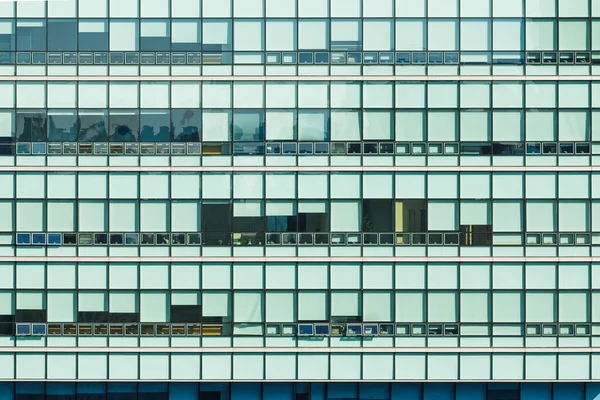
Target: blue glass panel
592,391
156,126
568,391
183,391
122,387
29,388
536,391
438,391
62,126
31,35
54,238
7,391
470,391
407,391
62,34
91,388
317,391
23,238
342,391
60,388
39,238
23,329
278,391
245,391
374,391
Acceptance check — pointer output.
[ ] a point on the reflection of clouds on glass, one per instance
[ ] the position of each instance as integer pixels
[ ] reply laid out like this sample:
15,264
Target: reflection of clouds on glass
186,125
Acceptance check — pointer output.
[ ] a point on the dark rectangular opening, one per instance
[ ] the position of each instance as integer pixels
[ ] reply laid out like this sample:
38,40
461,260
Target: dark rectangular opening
210,395
216,217
118,318
31,316
187,313
92,316
313,222
377,215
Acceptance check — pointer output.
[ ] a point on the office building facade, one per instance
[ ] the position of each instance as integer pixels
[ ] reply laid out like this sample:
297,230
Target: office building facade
299,199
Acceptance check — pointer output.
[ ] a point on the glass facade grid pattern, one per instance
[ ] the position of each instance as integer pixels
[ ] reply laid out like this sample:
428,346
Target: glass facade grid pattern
280,199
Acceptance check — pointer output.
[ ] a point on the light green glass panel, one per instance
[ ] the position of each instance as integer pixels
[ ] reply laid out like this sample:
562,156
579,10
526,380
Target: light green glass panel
410,306
61,216
475,185
475,307
280,307
124,216
31,300
573,307
541,216
540,94
61,186
573,216
248,306
507,307
442,125
154,185
540,307
475,126
127,302
61,307
346,303
93,216
508,216
154,216
541,34
573,34
92,185
313,306
442,307
442,215
507,125
410,125
154,306
540,8
574,125
92,301
7,302
216,304
410,95
442,95
185,216
31,185
377,306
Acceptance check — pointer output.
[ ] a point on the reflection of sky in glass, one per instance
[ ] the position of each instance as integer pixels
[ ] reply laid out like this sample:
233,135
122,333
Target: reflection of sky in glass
62,125
155,126
248,125
124,126
92,125
186,125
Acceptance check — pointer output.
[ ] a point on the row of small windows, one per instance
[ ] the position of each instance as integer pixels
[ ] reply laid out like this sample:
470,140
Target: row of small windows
303,58
354,330
302,148
469,236
303,95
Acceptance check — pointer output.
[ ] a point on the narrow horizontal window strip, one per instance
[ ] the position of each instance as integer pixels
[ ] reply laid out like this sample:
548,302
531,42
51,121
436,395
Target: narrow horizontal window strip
301,169
259,259
271,78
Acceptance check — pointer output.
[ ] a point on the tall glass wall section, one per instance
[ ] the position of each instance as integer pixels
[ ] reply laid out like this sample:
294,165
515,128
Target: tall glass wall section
299,200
